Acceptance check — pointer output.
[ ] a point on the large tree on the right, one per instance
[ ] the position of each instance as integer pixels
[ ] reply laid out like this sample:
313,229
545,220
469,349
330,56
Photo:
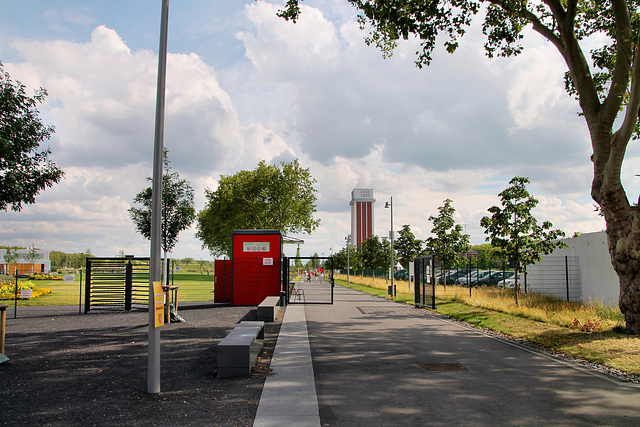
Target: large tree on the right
607,86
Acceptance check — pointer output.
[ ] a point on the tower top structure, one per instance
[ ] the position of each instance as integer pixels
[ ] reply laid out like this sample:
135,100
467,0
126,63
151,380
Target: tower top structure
362,201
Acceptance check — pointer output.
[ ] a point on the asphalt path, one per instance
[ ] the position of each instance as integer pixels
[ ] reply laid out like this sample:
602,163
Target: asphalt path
379,363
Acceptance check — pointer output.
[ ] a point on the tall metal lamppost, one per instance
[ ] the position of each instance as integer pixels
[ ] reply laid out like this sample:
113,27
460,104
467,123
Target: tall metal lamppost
153,365
392,289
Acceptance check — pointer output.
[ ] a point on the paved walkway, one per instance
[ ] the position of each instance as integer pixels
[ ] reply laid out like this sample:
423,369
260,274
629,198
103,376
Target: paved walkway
376,362
292,377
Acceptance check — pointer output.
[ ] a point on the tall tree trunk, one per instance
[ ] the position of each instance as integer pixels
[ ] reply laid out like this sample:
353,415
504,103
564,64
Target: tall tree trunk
623,226
623,235
516,287
625,257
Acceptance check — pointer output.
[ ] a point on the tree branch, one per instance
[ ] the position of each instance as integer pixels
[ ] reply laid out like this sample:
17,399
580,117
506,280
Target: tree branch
545,31
633,106
620,78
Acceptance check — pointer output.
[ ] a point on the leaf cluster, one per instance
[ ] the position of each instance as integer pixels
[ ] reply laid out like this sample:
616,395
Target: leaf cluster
375,252
178,211
407,246
269,197
449,239
25,169
515,230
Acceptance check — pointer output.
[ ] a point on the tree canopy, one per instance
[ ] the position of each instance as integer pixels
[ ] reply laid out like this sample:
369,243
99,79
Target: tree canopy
268,197
515,230
25,169
375,253
407,246
178,212
448,241
605,81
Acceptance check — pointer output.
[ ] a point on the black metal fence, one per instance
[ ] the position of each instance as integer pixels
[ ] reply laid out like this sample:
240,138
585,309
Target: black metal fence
308,280
116,283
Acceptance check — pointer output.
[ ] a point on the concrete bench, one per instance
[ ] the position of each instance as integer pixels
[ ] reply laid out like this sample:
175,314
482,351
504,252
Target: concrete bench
267,309
238,351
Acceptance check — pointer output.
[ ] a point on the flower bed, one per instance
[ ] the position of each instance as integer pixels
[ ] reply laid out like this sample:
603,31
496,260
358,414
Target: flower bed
8,290
38,276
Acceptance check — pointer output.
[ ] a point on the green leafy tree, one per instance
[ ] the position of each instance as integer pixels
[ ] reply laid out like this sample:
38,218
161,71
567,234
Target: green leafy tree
178,212
375,253
515,230
79,259
313,262
60,259
298,263
11,256
356,259
449,241
25,169
607,87
269,197
488,256
407,246
57,259
31,256
340,259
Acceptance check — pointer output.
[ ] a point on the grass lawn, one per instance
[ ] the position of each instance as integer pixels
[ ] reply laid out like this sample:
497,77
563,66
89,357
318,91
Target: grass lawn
606,343
193,287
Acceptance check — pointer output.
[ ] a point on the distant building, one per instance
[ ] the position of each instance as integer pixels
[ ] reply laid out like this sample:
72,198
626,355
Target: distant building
361,215
41,264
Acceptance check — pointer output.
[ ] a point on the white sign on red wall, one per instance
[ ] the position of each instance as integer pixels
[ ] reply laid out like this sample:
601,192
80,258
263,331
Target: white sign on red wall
255,247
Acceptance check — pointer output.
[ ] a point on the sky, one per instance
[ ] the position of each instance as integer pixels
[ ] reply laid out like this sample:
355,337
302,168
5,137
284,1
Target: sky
244,85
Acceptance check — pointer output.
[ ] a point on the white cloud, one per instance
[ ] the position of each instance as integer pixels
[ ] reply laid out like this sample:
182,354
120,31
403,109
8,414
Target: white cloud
102,103
284,51
459,129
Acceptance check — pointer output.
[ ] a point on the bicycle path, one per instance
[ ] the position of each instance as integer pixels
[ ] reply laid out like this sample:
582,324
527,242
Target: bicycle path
377,363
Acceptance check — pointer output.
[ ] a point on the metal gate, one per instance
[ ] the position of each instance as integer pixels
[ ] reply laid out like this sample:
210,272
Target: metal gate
425,277
117,283
310,282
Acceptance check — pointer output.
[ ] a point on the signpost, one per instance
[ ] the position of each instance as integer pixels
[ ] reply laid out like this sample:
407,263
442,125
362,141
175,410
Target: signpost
159,304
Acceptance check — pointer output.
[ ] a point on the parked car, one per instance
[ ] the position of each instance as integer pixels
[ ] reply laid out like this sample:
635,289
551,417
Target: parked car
466,279
452,276
511,281
495,277
401,275
473,277
455,276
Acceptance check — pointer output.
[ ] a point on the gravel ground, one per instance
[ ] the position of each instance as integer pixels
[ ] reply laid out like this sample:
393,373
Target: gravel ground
67,369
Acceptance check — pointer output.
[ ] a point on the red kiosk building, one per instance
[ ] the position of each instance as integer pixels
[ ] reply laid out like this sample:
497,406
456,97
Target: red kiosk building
253,272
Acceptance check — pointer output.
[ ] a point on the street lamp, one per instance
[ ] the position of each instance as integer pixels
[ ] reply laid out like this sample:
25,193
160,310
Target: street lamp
392,289
153,360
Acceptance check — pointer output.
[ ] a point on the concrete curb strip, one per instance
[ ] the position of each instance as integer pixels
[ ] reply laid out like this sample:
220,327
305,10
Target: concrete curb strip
292,376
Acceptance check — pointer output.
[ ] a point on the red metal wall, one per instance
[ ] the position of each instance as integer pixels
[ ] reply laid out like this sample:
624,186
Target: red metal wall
256,265
223,281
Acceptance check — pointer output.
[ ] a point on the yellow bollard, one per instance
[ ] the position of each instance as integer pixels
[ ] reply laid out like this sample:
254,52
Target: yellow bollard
3,318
